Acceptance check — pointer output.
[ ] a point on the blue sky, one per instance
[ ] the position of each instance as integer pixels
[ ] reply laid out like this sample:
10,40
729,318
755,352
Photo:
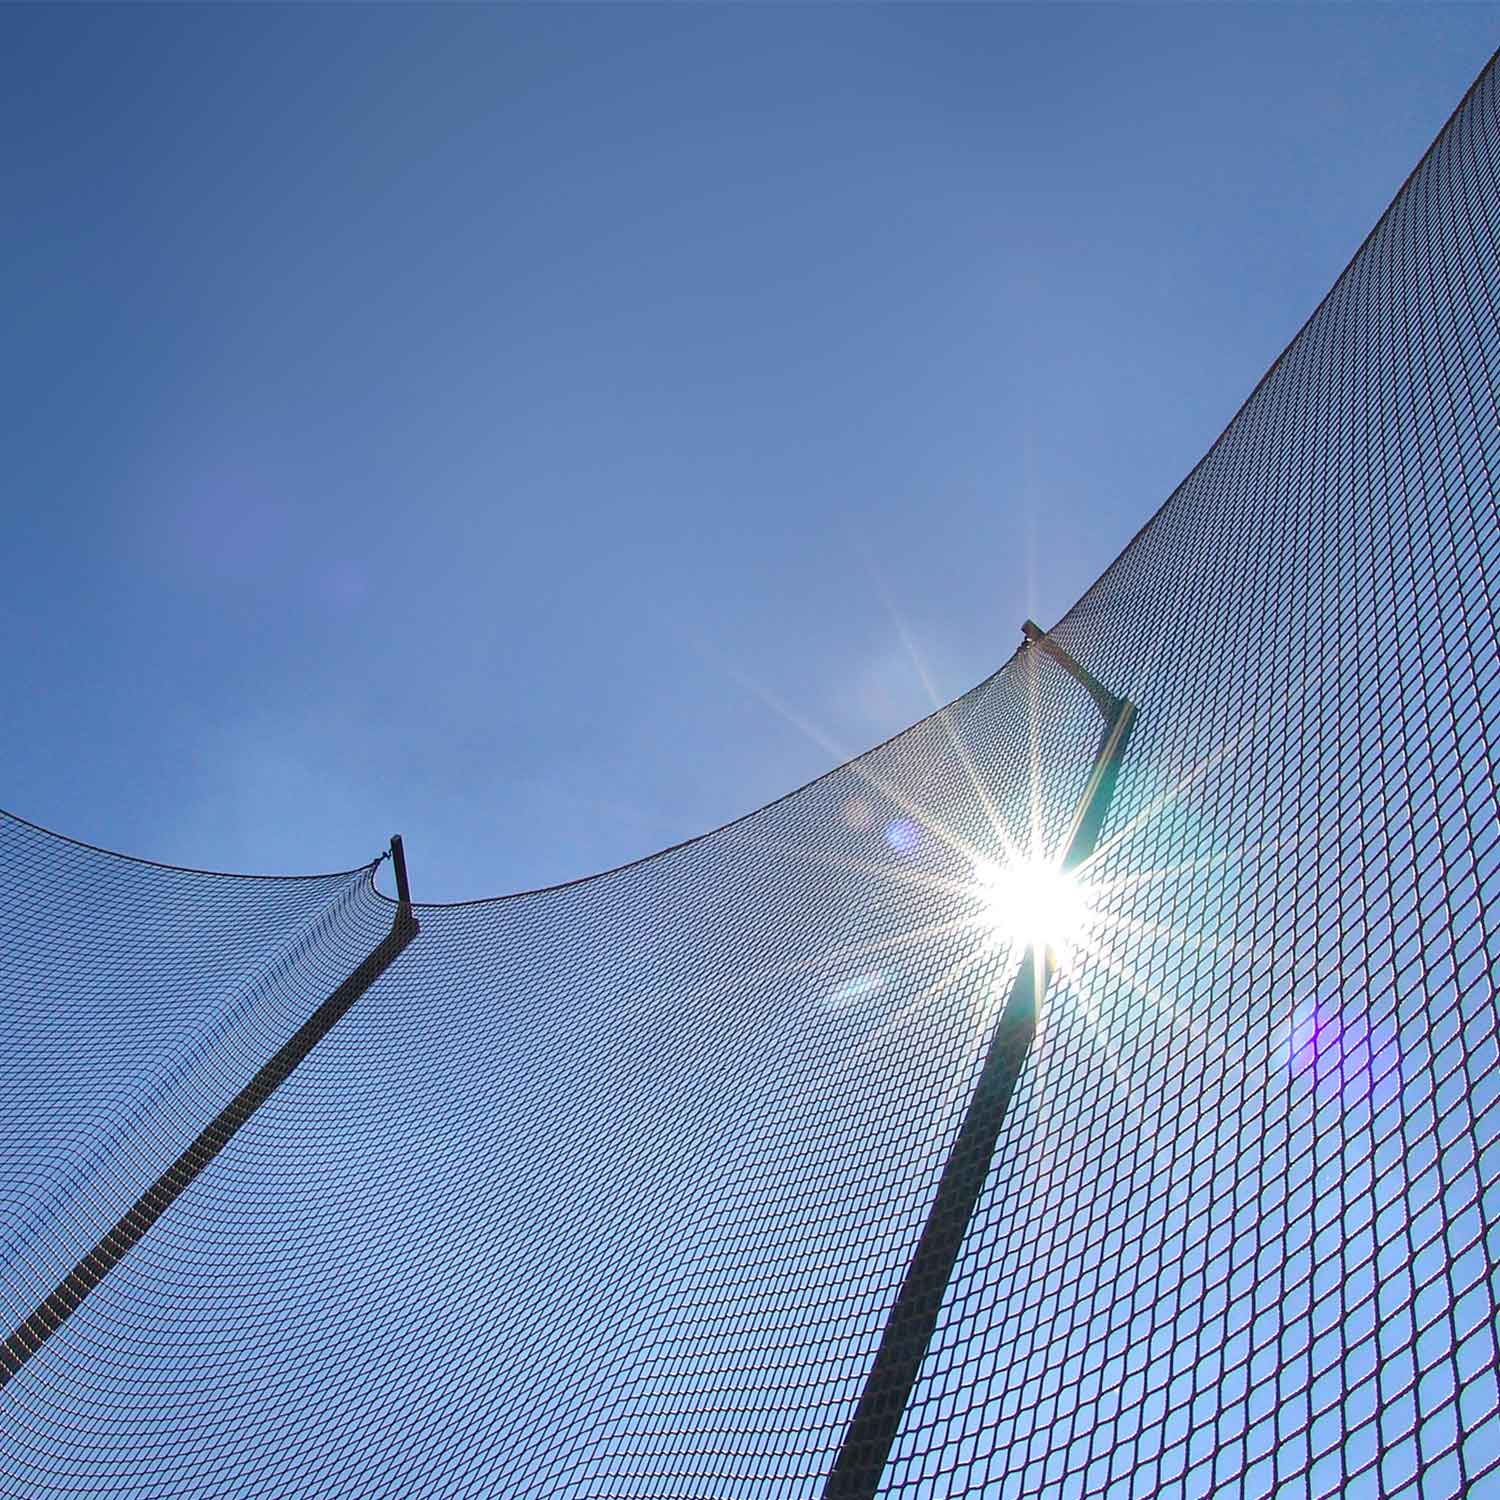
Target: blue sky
515,427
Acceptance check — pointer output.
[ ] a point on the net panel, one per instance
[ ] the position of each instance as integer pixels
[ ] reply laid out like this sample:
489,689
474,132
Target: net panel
606,1190
134,1000
1243,1240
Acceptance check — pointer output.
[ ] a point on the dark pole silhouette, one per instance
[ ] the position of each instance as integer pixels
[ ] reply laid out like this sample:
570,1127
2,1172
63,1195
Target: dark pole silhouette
68,1295
908,1331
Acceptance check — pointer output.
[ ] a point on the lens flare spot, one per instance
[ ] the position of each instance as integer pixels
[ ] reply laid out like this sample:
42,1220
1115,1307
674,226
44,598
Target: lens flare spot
852,991
1332,1044
902,835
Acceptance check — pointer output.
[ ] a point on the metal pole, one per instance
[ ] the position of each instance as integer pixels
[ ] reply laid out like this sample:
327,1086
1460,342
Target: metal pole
908,1331
398,861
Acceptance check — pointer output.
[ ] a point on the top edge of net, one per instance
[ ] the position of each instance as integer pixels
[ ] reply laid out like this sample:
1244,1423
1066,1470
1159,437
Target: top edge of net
708,833
1066,618
1291,343
561,885
6,815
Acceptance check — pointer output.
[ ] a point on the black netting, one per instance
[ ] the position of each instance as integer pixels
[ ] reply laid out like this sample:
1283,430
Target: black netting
608,1190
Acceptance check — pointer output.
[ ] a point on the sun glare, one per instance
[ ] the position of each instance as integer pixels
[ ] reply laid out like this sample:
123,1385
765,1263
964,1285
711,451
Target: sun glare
1031,904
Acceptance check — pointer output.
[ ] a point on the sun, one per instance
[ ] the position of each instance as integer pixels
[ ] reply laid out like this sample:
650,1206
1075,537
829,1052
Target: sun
1031,904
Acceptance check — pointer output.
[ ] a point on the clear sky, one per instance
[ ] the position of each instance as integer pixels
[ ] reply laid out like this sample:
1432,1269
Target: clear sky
517,427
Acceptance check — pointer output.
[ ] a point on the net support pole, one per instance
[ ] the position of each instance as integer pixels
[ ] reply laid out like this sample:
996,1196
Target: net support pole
53,1311
872,1430
398,862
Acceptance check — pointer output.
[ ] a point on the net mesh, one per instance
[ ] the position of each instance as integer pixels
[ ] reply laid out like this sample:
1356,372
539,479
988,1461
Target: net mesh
607,1190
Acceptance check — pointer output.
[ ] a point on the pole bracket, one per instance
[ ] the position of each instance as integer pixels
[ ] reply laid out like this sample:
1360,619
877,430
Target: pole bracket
1108,704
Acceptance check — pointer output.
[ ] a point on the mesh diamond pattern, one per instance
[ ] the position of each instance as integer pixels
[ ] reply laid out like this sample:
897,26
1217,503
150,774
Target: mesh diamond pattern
606,1190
